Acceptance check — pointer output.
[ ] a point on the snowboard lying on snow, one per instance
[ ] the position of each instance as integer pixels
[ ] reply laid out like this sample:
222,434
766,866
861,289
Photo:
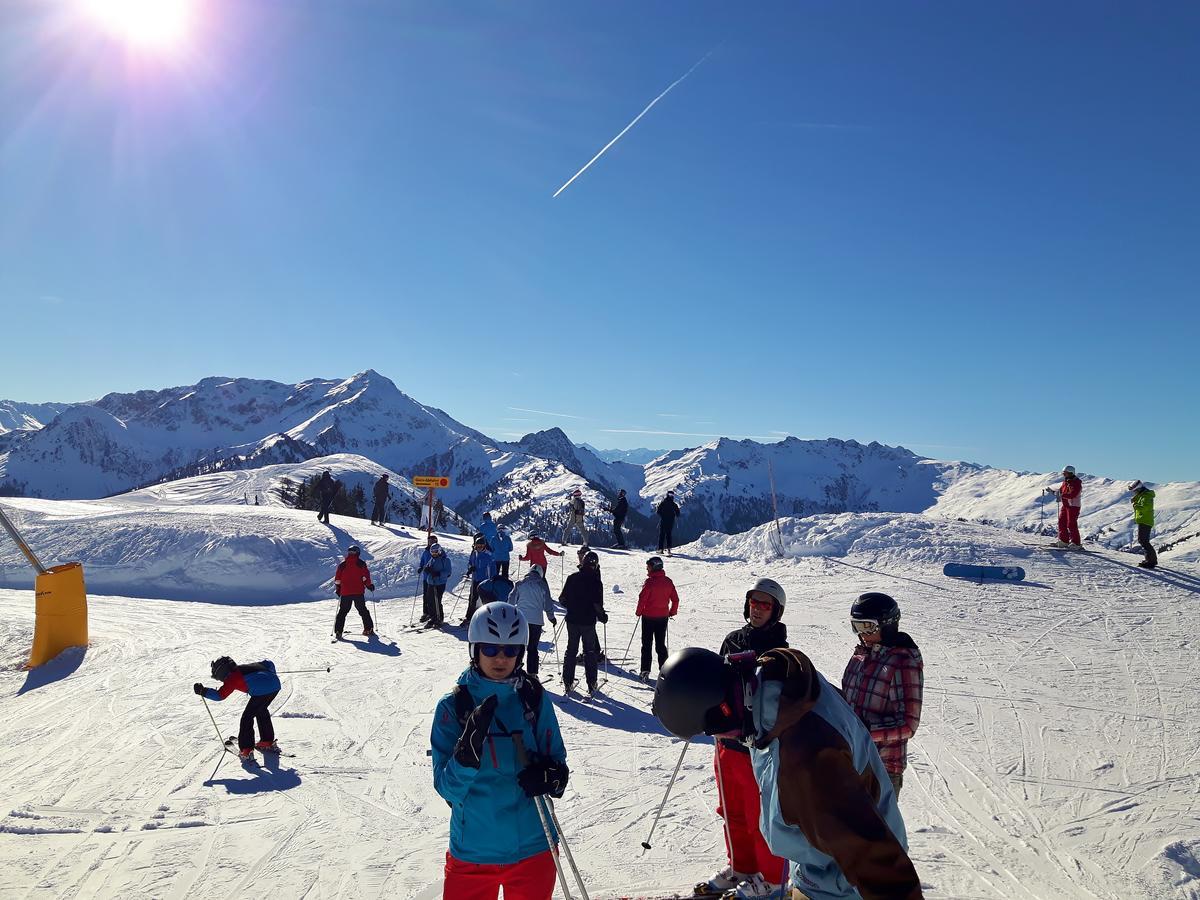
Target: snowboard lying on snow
1001,573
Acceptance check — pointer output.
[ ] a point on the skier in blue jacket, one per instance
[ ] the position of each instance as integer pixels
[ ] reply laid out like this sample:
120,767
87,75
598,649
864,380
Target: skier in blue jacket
435,572
499,542
497,838
262,684
827,802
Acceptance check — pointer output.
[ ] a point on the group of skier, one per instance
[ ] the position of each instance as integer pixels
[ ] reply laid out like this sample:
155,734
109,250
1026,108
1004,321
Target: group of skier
667,511
1070,498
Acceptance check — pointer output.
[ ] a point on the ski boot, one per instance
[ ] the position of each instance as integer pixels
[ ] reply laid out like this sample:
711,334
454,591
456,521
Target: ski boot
246,755
1060,545
568,686
368,632
753,888
1074,546
268,747
717,886
644,677
1145,564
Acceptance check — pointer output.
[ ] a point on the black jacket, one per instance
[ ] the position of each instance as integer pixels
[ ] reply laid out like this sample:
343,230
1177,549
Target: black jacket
668,510
760,640
621,508
327,487
381,490
583,597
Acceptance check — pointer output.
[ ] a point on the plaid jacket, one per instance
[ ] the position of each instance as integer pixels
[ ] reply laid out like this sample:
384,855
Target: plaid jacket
883,685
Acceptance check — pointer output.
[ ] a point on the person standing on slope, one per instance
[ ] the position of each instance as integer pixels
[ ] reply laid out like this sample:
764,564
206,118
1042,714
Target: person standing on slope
827,803
499,543
884,680
619,511
327,489
536,550
582,597
379,509
575,521
1143,517
349,583
1069,494
753,869
497,838
658,603
479,568
262,684
434,575
532,597
668,512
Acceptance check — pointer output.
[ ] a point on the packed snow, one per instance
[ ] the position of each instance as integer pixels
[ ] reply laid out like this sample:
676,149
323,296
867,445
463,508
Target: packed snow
1056,756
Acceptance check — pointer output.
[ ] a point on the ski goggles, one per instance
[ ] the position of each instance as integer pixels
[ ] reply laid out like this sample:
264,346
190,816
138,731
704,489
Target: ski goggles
864,626
762,604
509,650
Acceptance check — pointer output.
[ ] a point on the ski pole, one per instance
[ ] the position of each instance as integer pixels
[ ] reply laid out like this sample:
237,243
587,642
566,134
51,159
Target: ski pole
301,671
546,652
566,847
625,658
670,784
721,793
605,652
523,761
413,610
216,728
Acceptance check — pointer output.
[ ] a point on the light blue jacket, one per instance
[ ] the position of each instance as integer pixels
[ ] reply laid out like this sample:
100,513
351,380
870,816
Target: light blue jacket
532,597
437,571
479,564
825,748
492,821
501,544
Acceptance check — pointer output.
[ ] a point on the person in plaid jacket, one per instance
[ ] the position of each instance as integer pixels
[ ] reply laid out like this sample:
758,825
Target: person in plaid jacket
884,680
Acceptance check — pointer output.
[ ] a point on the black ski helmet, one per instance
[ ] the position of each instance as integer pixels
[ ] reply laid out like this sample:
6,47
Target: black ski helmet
591,560
655,563
222,668
355,549
877,607
692,683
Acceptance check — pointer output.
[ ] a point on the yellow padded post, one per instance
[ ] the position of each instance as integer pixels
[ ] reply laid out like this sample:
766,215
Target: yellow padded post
61,613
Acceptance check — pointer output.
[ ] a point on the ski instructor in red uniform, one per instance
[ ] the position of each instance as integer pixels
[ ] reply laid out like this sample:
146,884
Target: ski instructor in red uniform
1069,494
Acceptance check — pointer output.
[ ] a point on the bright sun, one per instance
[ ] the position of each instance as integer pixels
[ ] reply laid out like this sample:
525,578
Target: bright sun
158,25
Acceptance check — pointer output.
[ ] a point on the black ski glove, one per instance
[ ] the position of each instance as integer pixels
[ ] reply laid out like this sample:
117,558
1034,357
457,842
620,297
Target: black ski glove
198,688
370,587
554,621
543,775
469,749
602,616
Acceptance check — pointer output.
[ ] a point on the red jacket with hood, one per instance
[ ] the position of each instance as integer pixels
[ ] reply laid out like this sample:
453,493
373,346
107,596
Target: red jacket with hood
658,599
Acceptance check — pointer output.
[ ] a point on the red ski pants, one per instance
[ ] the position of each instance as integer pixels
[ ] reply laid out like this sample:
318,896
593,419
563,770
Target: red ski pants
1068,524
529,879
748,852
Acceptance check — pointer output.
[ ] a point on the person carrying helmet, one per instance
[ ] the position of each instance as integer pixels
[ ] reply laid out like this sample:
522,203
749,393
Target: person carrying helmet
435,571
827,804
262,684
619,510
752,870
1143,517
497,838
884,680
658,603
479,567
349,583
1069,494
532,597
582,596
575,509
380,494
536,550
668,512
499,543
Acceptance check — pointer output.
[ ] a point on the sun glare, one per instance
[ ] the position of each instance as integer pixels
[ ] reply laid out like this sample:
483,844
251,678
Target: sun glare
158,25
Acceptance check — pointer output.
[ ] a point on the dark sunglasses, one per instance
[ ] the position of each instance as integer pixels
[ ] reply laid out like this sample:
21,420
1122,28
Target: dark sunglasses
509,650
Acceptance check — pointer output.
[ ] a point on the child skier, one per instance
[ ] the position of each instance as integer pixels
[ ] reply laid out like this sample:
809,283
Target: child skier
1069,494
497,836
536,550
827,803
657,605
262,684
753,870
349,582
1143,517
884,680
532,597
435,572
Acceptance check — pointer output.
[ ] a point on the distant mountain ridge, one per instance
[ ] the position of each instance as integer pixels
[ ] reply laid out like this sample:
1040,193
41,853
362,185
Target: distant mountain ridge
125,441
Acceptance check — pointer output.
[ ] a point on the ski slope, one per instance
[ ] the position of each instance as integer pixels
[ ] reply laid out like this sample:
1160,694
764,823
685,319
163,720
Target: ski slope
1056,757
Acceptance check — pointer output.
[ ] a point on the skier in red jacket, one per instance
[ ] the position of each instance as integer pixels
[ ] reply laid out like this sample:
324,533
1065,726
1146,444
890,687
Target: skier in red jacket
536,550
349,583
657,605
1069,494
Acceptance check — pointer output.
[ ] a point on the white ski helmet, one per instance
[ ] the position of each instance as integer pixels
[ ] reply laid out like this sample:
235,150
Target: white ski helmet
537,568
497,623
771,587
1137,485
1068,470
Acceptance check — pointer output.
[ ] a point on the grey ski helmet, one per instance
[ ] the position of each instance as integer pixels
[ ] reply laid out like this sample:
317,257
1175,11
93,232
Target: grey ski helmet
774,589
692,686
1068,470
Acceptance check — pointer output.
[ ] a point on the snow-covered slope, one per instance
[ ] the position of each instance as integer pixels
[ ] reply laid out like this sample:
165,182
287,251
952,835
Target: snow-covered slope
1055,757
16,416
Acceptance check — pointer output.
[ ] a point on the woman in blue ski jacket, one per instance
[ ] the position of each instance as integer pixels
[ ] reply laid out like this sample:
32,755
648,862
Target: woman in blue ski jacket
496,747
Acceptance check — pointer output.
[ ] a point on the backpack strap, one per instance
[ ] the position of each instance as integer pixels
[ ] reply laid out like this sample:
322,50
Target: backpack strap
530,693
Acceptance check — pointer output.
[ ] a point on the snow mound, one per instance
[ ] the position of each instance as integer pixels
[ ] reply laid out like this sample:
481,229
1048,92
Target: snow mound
893,537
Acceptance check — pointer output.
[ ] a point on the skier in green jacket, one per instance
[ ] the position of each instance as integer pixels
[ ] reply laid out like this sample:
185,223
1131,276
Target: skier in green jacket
1143,516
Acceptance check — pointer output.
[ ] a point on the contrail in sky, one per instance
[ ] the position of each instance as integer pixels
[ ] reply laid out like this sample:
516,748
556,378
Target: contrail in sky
670,87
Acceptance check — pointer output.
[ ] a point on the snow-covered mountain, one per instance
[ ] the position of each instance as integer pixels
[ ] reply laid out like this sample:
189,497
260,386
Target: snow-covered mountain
16,416
639,456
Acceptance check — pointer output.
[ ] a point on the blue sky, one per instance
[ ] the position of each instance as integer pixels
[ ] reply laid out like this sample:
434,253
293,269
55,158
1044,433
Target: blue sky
972,229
